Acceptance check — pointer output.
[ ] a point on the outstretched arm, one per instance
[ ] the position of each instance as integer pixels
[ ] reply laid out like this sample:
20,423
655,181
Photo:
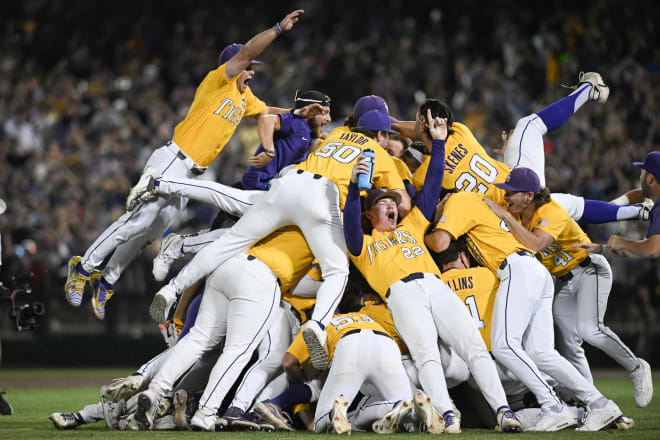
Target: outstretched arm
266,127
258,43
353,211
428,197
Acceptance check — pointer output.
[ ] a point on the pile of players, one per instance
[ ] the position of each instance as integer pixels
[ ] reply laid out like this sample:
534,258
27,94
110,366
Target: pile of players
367,304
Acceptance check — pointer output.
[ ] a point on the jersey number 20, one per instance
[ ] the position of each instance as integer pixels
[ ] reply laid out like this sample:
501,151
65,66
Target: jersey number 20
480,168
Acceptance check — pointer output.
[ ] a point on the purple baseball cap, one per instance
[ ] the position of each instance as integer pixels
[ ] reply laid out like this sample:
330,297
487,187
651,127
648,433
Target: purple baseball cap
229,52
368,103
375,120
651,163
521,179
380,193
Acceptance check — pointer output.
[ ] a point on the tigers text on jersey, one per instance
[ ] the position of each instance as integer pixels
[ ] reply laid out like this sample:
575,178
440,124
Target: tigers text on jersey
214,114
488,237
559,257
476,287
338,326
336,155
287,254
387,257
467,166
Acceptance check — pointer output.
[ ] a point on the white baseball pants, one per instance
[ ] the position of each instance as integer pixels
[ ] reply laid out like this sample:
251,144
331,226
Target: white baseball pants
579,310
128,235
363,356
522,335
309,201
424,309
525,146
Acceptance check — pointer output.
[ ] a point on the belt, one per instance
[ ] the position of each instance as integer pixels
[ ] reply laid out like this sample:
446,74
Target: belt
252,257
409,278
358,330
569,276
316,176
522,253
194,168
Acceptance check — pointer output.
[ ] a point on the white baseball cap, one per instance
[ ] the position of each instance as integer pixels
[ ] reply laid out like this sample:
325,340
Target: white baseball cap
3,206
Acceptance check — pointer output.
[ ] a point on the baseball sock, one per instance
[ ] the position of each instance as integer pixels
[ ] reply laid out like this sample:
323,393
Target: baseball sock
596,211
296,393
556,114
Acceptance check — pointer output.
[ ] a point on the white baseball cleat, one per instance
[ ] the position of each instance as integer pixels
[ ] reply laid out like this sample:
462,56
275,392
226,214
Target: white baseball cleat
340,422
424,409
599,91
144,190
597,419
112,413
274,415
550,421
165,423
163,301
643,383
170,251
390,423
122,388
452,419
203,422
507,421
146,411
65,420
316,341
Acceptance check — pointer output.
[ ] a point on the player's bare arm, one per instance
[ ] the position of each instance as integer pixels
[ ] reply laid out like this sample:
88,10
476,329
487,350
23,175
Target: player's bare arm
631,197
292,369
405,128
648,248
535,240
258,43
266,128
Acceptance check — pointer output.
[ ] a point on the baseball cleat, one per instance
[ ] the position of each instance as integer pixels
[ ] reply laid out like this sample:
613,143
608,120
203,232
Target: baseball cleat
599,91
643,383
5,408
75,282
428,415
597,419
550,421
179,401
102,293
274,415
112,413
340,422
66,420
507,421
165,423
122,388
144,190
390,423
316,340
251,417
146,411
203,422
623,423
452,421
163,301
170,251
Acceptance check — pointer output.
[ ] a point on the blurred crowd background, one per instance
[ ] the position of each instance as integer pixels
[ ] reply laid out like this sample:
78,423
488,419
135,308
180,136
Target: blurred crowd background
89,88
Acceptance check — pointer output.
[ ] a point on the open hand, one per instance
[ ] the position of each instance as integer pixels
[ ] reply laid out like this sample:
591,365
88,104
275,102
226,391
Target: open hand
287,22
260,160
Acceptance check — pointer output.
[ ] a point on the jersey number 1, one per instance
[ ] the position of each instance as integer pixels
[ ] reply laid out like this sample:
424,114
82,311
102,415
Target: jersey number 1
471,304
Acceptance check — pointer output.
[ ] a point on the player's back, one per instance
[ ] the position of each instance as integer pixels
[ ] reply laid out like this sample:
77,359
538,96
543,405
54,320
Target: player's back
476,287
467,166
336,155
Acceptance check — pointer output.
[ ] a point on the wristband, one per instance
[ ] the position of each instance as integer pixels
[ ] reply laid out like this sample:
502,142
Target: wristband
278,28
603,247
269,153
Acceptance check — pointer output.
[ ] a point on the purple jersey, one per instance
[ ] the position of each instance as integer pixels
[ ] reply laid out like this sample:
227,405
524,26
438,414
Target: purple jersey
291,143
654,220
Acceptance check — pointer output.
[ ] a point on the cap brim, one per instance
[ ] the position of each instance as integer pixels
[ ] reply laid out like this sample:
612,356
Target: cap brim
392,120
387,194
256,62
506,187
639,164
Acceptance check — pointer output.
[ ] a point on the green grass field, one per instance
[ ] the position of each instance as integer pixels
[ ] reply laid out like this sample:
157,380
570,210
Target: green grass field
35,394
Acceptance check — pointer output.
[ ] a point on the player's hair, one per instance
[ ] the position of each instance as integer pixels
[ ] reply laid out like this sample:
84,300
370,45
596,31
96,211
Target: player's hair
542,197
368,133
439,109
452,252
350,121
420,146
404,141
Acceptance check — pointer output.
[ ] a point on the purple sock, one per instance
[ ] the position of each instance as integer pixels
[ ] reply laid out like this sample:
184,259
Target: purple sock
296,393
556,114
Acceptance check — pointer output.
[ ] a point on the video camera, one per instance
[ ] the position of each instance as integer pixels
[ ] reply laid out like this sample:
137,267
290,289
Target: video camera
25,316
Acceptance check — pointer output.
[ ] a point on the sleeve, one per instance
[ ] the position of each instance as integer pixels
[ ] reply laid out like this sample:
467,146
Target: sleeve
286,124
410,189
654,223
352,227
253,105
456,218
298,349
430,193
551,220
385,172
218,77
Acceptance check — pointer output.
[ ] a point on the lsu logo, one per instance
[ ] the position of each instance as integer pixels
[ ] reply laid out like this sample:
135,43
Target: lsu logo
229,111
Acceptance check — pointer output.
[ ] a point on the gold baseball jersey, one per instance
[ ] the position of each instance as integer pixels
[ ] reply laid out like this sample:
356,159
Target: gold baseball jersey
467,166
338,326
559,257
476,287
381,314
301,304
336,155
488,238
214,114
403,169
287,254
386,257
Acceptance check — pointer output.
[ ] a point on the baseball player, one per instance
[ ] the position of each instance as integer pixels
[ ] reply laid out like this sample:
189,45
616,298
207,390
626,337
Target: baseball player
522,334
395,262
221,101
310,195
583,279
